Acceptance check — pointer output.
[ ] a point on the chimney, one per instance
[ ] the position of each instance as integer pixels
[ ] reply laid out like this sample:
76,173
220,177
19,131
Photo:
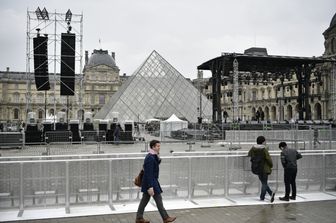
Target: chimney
7,69
86,56
113,55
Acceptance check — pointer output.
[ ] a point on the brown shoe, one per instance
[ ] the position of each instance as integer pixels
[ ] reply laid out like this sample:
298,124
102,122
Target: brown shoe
169,219
141,220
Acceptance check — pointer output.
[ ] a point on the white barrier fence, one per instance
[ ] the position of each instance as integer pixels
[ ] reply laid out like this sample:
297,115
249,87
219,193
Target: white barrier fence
67,181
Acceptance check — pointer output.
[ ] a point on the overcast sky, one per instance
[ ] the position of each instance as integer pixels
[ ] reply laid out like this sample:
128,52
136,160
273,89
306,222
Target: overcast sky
185,32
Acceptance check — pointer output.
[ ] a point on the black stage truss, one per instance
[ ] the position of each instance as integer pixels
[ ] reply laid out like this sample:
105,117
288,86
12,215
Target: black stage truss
265,69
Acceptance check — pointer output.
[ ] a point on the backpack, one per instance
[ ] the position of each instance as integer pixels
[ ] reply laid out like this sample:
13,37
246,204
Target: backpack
257,162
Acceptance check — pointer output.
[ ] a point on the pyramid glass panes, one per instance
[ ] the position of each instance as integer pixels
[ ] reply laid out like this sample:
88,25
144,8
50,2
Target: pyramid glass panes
156,90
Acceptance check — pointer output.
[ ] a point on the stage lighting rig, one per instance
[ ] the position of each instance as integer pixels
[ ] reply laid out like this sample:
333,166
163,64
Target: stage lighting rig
45,14
38,13
68,16
42,15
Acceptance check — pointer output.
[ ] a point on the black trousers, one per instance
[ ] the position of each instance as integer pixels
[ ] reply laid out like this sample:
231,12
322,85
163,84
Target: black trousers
290,176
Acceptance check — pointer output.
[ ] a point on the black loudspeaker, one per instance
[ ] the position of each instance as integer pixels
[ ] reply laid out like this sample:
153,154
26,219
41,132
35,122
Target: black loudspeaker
47,127
40,44
88,127
32,128
60,126
68,63
33,135
102,127
128,127
75,132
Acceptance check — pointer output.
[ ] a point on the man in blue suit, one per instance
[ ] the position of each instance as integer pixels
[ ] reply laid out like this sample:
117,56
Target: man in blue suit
150,184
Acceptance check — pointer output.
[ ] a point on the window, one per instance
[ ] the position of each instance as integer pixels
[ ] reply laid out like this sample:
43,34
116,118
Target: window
16,97
16,113
40,98
101,99
40,114
51,112
254,95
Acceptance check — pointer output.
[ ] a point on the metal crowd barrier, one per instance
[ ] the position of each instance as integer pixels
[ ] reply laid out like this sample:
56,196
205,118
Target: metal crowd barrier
322,137
93,180
11,140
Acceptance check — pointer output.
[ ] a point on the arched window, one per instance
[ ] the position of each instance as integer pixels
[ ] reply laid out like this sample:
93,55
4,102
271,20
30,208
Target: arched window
16,113
318,111
40,114
51,112
262,94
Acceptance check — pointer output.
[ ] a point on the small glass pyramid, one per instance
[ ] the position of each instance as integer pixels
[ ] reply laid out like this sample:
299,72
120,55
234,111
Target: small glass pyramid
156,90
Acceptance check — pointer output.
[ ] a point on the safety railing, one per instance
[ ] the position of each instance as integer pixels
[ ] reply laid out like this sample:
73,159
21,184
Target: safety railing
320,136
101,179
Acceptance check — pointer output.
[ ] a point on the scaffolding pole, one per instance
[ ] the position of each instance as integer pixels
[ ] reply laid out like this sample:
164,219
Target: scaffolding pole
235,91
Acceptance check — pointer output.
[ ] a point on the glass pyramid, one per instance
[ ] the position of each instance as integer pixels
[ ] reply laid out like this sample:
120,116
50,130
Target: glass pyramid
156,90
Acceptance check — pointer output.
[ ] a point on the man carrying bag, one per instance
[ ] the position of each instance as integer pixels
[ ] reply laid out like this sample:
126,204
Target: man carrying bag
150,185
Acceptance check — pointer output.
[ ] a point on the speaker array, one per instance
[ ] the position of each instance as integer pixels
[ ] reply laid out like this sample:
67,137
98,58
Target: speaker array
40,44
68,64
68,50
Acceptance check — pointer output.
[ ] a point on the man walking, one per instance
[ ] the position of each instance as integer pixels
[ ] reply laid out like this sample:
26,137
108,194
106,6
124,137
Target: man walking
288,159
116,134
262,165
150,184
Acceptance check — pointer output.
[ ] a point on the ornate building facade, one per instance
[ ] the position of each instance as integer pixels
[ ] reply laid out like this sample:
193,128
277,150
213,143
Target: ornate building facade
278,100
100,81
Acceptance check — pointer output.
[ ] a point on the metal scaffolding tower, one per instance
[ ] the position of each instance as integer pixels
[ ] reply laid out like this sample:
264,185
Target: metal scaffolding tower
52,24
235,99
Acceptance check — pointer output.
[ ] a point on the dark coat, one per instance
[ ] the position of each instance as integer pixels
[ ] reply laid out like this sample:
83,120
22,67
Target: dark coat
289,157
268,164
151,174
116,132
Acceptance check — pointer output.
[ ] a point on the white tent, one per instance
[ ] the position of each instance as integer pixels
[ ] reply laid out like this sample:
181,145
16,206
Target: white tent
172,124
